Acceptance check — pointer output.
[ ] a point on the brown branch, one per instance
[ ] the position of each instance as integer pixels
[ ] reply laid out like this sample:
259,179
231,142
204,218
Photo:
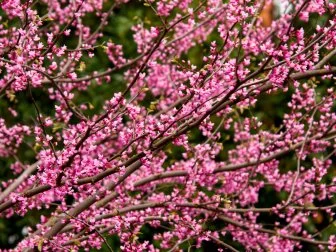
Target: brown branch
62,31
82,206
325,59
225,245
143,206
227,168
272,232
165,140
16,183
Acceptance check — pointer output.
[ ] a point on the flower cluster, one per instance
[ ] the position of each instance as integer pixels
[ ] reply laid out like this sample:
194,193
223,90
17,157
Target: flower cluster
153,136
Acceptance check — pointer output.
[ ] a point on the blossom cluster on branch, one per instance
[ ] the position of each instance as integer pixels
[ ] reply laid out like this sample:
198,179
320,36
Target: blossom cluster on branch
110,169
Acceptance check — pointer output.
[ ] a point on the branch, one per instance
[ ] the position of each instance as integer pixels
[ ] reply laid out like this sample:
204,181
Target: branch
85,204
272,232
225,245
231,167
29,170
326,59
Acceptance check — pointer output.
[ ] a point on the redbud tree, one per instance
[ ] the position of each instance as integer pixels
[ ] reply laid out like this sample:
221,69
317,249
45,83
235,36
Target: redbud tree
168,125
